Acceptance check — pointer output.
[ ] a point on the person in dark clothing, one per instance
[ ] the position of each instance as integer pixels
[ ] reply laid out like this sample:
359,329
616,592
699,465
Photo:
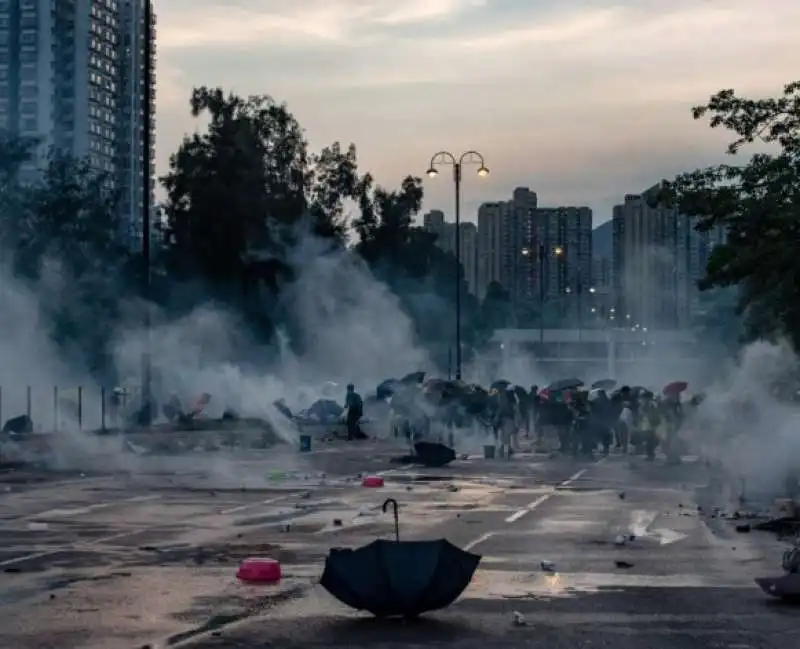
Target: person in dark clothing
533,411
355,410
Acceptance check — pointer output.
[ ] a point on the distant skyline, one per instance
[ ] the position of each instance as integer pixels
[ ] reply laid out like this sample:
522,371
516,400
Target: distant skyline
580,100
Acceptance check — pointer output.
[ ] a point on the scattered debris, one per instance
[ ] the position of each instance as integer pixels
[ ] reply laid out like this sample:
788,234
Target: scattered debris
518,619
622,495
743,528
623,564
452,488
548,566
337,522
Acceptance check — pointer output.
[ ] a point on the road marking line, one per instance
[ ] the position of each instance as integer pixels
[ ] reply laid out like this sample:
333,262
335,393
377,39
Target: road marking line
268,501
544,498
473,543
572,478
88,509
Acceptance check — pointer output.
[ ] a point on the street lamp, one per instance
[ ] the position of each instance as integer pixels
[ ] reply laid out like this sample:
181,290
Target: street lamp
467,158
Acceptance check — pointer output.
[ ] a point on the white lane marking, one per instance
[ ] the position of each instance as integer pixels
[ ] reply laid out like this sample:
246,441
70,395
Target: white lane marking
268,501
404,467
474,542
88,509
544,498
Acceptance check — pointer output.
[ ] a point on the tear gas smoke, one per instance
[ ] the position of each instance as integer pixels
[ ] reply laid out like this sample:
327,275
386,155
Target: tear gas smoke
748,426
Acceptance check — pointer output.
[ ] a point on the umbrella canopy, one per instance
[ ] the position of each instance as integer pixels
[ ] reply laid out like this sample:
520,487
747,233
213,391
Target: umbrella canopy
399,578
674,388
604,384
565,384
783,587
433,454
415,378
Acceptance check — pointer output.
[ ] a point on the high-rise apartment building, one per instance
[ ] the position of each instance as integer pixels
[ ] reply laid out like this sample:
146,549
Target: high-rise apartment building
565,235
72,75
492,219
511,235
658,259
434,222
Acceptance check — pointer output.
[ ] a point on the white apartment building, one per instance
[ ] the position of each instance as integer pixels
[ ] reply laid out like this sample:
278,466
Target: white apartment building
72,75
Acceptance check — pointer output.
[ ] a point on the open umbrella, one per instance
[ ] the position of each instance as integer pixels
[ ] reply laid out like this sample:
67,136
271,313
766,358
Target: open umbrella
502,384
676,387
784,587
433,454
604,384
399,578
415,378
565,384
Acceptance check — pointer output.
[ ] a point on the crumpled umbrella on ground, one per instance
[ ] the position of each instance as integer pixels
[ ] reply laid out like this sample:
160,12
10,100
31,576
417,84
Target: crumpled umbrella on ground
399,578
433,454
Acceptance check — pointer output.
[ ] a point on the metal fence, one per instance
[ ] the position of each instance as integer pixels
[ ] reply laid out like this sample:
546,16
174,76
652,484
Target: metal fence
59,407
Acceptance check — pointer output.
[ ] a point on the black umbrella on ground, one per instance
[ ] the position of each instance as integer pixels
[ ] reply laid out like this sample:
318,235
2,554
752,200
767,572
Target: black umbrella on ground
433,454
604,384
565,384
399,578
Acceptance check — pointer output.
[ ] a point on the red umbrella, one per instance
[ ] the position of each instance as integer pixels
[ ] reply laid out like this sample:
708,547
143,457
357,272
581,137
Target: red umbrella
676,387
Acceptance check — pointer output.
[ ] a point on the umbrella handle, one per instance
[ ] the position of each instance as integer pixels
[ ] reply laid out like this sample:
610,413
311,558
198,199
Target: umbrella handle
393,503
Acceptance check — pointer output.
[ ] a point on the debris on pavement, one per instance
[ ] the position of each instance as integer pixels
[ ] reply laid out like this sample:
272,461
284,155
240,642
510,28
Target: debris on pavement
548,566
518,619
623,564
743,528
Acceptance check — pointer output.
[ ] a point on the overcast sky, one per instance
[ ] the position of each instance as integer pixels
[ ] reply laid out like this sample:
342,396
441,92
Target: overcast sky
580,100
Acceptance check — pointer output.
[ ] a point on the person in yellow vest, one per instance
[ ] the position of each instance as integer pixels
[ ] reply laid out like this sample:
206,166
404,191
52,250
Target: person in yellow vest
649,420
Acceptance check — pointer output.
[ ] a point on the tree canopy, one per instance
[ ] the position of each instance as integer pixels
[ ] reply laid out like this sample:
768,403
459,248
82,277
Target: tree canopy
242,195
757,205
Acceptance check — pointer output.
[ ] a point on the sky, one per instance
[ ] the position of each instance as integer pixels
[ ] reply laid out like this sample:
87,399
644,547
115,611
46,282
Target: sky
583,101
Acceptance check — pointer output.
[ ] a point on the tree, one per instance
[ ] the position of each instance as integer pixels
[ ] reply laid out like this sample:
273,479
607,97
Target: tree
496,308
757,204
241,194
404,256
64,233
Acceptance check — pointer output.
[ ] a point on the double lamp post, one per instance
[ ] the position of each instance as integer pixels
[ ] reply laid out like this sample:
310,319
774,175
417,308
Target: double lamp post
445,158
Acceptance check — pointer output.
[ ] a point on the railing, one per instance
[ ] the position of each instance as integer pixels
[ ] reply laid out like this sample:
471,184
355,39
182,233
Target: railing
59,407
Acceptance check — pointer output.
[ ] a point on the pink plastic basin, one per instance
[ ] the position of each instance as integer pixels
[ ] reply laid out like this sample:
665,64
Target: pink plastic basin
372,481
259,570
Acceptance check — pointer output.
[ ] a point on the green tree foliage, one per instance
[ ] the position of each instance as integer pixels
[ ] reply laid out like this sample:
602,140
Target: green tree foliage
407,259
758,205
496,308
240,193
63,233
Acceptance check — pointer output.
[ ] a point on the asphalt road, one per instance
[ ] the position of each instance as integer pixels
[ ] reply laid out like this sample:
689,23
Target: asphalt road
148,557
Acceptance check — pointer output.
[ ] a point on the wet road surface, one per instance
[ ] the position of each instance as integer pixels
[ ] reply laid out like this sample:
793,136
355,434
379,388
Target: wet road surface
150,557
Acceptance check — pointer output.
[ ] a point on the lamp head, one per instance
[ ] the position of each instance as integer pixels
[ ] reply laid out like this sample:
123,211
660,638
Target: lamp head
432,172
483,171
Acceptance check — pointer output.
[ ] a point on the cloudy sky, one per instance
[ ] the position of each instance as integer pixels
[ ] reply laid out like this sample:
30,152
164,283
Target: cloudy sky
580,100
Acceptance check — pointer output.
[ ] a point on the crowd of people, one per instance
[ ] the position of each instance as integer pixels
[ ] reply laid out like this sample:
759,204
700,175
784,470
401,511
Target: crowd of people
566,415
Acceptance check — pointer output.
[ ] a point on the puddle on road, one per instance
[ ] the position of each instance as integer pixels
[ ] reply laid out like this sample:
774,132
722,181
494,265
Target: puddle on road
499,584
